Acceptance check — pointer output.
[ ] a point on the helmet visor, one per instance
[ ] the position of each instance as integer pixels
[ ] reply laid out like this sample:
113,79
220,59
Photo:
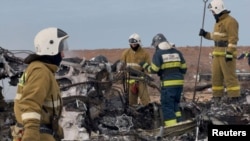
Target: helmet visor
133,41
63,46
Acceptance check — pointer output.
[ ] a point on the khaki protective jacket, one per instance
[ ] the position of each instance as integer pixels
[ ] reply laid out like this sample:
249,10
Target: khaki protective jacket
226,29
133,58
37,93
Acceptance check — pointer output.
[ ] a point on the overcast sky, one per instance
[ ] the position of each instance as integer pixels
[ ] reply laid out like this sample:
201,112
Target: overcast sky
97,24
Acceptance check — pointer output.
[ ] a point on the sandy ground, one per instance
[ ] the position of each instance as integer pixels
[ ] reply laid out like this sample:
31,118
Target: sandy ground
198,60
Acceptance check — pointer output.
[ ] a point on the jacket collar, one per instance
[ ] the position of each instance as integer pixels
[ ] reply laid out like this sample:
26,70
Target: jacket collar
53,68
164,46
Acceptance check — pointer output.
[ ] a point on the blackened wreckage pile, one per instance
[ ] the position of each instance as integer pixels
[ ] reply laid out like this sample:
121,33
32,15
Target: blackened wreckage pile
96,108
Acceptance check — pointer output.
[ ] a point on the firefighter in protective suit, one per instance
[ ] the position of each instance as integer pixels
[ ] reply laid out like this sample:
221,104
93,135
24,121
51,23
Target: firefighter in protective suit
225,37
132,57
169,64
38,103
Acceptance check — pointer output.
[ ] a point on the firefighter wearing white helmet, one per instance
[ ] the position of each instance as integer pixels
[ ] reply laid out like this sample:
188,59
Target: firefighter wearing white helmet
225,37
37,105
131,58
169,64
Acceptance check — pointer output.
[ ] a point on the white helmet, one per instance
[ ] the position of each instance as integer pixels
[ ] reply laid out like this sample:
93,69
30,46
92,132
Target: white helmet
134,39
50,41
217,6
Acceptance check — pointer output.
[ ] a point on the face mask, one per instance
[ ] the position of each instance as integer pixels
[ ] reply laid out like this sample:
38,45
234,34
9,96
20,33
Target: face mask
216,16
56,59
135,48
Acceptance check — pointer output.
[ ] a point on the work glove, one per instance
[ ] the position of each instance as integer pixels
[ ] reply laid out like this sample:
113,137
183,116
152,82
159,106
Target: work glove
229,56
202,32
16,132
144,65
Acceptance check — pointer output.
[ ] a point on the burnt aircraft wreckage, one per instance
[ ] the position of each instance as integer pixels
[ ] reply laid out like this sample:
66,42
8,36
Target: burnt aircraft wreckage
96,106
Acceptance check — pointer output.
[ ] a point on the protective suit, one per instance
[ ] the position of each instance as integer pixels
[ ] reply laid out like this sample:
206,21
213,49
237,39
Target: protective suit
169,64
33,92
225,37
132,57
38,103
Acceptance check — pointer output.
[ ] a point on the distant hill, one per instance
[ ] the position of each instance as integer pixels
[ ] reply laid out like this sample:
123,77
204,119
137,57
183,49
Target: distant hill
191,55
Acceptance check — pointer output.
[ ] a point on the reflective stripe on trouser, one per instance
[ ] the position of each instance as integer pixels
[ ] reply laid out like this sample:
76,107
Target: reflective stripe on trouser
223,71
170,99
142,94
170,122
178,116
172,83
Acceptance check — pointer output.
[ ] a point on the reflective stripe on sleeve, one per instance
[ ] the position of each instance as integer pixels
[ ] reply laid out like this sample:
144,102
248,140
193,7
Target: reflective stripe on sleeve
133,65
31,115
50,104
18,96
232,45
219,34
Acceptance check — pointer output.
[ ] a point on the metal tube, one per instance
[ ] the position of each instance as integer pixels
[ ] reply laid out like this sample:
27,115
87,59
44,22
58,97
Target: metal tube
197,71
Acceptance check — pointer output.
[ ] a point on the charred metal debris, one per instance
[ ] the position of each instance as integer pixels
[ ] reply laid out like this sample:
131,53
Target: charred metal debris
95,99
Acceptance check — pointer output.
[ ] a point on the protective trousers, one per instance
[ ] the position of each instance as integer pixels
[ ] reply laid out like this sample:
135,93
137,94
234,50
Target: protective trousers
17,133
224,72
170,100
142,93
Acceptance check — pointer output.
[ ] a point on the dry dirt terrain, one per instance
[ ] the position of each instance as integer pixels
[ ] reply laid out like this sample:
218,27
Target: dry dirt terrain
194,55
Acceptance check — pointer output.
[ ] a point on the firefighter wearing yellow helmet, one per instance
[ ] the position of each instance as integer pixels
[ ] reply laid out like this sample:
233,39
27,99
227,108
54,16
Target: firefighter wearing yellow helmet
132,57
38,104
225,37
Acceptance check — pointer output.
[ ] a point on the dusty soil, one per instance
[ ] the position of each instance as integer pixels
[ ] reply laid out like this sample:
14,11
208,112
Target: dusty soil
198,60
